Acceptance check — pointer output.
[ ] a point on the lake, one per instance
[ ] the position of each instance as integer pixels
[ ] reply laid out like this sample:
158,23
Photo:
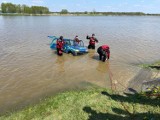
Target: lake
30,70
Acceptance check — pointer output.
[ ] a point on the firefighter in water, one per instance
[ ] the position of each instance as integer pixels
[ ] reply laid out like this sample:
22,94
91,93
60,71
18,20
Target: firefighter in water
60,43
103,52
92,41
76,40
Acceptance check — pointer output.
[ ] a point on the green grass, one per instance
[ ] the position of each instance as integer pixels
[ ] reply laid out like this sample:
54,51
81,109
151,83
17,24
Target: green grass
155,65
91,104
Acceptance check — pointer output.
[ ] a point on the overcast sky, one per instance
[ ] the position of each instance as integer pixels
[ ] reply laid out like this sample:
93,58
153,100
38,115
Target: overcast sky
146,6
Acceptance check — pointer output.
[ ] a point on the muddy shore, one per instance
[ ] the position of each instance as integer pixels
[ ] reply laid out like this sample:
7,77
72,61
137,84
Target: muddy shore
148,76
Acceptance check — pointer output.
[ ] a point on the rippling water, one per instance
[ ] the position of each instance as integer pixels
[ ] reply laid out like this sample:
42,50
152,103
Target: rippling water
30,70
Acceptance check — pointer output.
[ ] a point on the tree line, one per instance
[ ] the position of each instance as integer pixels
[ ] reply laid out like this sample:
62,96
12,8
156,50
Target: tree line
109,13
24,9
13,8
65,11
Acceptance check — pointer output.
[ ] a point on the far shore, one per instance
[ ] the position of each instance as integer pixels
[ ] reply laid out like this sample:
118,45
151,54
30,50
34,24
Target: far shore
77,14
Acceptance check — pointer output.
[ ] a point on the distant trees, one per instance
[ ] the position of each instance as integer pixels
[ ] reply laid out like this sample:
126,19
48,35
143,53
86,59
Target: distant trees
24,9
85,12
13,8
121,13
93,12
64,11
39,10
8,7
108,13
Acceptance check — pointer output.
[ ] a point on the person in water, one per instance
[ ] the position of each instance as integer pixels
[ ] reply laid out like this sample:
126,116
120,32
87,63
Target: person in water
103,52
76,40
92,41
60,43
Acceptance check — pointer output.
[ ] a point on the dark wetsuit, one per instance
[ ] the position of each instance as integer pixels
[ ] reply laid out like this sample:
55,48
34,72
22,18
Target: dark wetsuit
103,52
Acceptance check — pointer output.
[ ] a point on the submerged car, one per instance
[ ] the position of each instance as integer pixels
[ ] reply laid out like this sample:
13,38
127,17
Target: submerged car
70,46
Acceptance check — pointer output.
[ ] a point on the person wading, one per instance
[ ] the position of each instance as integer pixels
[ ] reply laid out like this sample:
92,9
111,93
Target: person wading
104,52
60,43
76,40
92,41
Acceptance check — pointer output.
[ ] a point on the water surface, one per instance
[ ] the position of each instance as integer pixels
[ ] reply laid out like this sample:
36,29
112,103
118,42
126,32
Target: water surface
30,70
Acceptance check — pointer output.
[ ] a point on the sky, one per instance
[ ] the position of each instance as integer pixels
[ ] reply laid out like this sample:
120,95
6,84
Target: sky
146,6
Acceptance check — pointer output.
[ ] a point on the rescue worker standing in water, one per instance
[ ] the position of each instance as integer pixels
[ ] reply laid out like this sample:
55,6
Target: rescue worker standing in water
76,40
103,52
92,41
60,43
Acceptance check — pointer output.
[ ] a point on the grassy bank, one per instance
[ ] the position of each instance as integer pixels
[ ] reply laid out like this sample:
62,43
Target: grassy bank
155,65
91,104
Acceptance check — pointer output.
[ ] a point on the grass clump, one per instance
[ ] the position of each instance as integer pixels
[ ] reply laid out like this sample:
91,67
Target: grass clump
91,104
155,65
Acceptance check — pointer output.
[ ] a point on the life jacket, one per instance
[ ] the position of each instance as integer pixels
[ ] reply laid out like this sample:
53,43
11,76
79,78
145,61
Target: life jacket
59,44
92,41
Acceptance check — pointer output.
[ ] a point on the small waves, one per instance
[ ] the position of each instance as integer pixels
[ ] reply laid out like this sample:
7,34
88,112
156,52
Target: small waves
27,64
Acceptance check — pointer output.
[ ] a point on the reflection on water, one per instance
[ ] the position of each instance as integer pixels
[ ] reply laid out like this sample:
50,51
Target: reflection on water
60,61
30,70
103,67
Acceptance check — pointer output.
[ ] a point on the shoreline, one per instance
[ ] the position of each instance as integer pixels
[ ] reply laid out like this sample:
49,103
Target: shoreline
90,104
70,96
149,71
58,14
